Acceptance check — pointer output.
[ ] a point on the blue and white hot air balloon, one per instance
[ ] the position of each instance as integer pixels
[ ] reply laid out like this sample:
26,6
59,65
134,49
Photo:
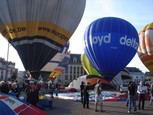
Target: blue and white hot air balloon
110,43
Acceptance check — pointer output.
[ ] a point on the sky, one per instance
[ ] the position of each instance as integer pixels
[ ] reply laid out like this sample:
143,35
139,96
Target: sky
137,12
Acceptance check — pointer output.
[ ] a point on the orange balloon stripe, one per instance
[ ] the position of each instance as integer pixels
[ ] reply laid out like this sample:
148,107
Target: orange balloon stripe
58,70
94,81
147,58
142,55
142,41
148,43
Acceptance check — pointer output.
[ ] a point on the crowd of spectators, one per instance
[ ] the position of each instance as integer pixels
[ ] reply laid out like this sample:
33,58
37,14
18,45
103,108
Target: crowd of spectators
30,88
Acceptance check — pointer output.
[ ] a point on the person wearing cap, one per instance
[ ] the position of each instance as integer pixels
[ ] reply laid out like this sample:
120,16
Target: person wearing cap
98,95
141,91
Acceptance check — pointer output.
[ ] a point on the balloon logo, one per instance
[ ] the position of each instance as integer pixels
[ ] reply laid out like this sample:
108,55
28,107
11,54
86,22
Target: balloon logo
110,43
145,50
61,67
38,29
56,60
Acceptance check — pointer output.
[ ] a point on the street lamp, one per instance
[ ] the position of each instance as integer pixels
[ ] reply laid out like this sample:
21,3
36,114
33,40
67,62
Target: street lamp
6,75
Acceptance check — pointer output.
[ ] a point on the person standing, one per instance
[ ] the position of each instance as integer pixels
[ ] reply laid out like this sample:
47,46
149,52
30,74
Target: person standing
127,101
141,91
98,96
151,94
81,90
33,94
4,88
86,95
132,92
14,90
51,89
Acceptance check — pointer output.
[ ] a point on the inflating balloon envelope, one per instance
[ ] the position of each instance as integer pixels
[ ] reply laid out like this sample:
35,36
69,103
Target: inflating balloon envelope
110,43
92,73
88,67
38,29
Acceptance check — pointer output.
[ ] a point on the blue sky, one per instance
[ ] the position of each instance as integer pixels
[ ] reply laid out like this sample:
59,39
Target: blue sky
137,12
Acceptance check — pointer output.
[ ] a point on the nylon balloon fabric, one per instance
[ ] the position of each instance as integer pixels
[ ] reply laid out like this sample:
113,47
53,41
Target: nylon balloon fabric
38,29
145,50
110,43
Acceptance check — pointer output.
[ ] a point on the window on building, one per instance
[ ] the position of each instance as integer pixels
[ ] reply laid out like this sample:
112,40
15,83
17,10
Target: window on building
74,70
74,60
138,81
74,76
71,69
66,77
78,69
82,70
66,70
71,77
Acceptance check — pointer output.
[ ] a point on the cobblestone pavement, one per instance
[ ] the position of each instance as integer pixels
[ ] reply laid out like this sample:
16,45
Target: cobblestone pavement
69,107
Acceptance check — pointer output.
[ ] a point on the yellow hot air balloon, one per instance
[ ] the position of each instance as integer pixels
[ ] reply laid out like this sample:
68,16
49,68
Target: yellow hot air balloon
145,50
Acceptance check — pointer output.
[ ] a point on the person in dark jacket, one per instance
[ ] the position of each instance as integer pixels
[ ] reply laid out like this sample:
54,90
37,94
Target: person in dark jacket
132,92
81,90
86,95
33,94
4,88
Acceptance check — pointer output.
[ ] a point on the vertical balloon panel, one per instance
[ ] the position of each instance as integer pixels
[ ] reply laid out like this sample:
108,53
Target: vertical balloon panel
38,29
110,43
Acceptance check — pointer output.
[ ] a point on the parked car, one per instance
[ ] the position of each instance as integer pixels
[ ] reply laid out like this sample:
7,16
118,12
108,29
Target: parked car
124,87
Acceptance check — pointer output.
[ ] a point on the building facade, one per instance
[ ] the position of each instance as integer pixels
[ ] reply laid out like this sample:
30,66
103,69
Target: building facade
149,78
136,74
7,69
73,70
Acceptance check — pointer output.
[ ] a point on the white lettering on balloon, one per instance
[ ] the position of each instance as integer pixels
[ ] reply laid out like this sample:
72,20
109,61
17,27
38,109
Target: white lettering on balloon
130,42
100,39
